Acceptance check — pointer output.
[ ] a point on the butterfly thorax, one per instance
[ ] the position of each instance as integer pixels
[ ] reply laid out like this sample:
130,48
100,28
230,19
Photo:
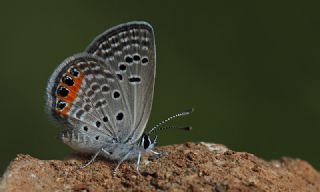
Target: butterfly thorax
119,150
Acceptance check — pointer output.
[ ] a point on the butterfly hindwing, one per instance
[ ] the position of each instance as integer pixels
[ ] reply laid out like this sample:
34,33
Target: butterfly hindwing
129,49
81,93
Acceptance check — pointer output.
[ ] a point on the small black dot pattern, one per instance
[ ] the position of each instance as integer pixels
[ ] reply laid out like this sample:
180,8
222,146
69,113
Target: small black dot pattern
74,72
122,67
144,60
128,59
136,57
61,105
134,79
62,91
67,80
116,94
119,76
119,116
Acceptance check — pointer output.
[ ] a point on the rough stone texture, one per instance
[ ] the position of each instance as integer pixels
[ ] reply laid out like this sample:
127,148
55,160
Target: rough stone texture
187,167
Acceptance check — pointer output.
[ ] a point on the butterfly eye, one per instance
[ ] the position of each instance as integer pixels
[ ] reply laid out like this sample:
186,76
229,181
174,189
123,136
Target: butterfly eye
146,143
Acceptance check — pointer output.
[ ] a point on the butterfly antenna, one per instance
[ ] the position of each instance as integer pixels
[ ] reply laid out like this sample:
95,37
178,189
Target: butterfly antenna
185,128
157,127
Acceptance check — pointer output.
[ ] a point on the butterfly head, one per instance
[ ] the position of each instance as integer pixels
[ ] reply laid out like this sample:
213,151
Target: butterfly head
146,142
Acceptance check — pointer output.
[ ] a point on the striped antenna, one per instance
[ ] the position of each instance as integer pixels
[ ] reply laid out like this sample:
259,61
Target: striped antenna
184,113
185,128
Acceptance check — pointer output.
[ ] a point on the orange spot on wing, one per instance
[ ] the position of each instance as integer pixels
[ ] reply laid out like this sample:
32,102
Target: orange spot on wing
73,91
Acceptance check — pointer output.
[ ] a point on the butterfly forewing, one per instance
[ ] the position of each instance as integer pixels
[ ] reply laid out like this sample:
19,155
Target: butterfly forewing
129,49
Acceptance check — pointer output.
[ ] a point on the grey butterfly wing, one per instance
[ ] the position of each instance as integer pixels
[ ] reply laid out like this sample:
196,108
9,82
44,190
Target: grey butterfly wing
81,95
130,50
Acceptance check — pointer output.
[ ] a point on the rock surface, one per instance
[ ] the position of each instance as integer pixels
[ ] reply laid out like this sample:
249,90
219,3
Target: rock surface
186,167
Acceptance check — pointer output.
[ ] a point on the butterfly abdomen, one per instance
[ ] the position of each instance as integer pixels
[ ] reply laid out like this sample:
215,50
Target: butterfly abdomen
79,141
85,143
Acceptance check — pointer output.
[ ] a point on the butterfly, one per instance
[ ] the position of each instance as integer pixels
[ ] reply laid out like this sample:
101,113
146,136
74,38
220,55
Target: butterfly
104,95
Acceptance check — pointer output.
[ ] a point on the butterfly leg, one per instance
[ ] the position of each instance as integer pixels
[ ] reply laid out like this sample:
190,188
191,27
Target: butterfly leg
120,162
138,162
91,160
155,155
154,152
154,143
105,151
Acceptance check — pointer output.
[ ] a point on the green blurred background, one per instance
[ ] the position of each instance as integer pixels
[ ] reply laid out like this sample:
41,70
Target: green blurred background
251,71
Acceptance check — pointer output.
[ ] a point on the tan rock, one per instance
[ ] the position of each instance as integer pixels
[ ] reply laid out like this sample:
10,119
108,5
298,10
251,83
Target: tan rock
187,167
